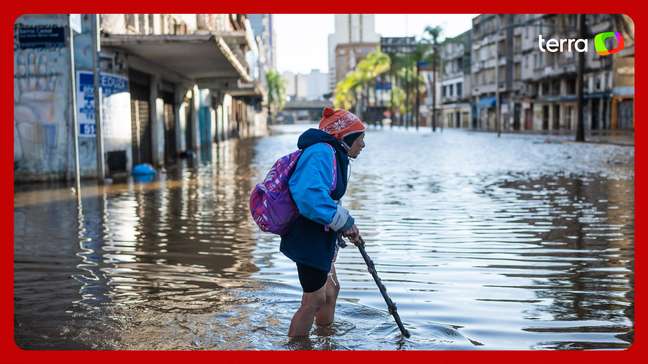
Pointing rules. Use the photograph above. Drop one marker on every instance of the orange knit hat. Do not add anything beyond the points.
(340, 123)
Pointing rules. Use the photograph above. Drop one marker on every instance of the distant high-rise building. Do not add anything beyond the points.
(352, 31)
(317, 85)
(311, 86)
(263, 27)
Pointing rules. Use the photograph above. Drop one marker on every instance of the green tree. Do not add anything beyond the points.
(353, 90)
(399, 95)
(276, 94)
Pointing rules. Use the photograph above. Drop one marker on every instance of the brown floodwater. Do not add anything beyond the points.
(518, 242)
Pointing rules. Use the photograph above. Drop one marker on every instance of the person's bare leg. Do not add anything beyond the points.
(324, 316)
(302, 321)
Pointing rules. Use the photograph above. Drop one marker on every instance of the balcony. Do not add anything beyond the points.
(195, 46)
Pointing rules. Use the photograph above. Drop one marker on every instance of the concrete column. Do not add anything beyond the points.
(212, 122)
(552, 116)
(217, 103)
(219, 123)
(227, 113)
(536, 123)
(194, 125)
(181, 118)
(588, 116)
(157, 122)
(511, 113)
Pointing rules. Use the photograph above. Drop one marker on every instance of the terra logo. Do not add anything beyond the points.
(582, 45)
(600, 46)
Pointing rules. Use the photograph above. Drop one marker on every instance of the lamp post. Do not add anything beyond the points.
(580, 67)
(75, 121)
(96, 69)
(498, 122)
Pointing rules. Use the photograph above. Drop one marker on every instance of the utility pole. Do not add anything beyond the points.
(75, 121)
(417, 96)
(408, 84)
(96, 69)
(580, 69)
(497, 93)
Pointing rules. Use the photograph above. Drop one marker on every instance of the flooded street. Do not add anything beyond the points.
(518, 242)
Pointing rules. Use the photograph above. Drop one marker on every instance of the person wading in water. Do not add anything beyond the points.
(317, 184)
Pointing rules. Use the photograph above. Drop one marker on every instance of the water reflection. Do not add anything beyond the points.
(483, 243)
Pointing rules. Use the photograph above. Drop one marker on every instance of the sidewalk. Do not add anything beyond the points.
(618, 137)
(615, 137)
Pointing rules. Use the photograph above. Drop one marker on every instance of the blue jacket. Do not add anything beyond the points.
(312, 237)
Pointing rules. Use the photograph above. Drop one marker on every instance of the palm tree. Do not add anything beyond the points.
(345, 96)
(433, 34)
(276, 94)
(353, 88)
(370, 68)
(422, 56)
(398, 63)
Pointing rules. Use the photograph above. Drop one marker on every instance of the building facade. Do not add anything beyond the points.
(495, 71)
(356, 33)
(455, 81)
(537, 89)
(171, 83)
(310, 86)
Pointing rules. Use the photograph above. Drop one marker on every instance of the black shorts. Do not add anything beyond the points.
(311, 279)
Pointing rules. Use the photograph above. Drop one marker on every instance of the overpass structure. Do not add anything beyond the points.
(296, 111)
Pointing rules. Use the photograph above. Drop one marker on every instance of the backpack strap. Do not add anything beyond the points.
(334, 184)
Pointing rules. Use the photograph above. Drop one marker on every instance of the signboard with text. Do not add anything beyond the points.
(38, 36)
(111, 84)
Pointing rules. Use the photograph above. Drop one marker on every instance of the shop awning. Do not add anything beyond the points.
(487, 101)
(194, 56)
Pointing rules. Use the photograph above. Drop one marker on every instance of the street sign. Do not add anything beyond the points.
(383, 85)
(39, 36)
(398, 44)
(75, 23)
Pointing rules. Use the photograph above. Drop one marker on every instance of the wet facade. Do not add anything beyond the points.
(171, 83)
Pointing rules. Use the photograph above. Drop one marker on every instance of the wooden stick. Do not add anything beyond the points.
(391, 306)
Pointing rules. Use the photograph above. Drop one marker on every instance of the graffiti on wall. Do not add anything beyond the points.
(40, 108)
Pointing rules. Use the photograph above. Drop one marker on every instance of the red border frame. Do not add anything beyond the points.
(13, 10)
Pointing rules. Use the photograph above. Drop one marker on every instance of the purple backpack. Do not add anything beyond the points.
(271, 204)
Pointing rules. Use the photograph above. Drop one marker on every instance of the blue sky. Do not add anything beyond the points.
(302, 38)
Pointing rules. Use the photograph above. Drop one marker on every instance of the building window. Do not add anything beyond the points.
(571, 86)
(598, 84)
(163, 24)
(141, 23)
(151, 24)
(130, 23)
(459, 89)
(451, 92)
(443, 91)
(568, 117)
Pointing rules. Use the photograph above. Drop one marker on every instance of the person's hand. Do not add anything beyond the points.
(352, 234)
